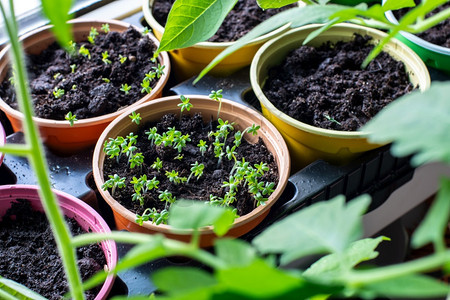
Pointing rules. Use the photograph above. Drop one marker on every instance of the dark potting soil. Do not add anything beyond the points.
(28, 253)
(86, 92)
(214, 174)
(439, 34)
(244, 16)
(319, 85)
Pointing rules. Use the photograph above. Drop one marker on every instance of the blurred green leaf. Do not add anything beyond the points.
(416, 123)
(325, 227)
(180, 280)
(410, 287)
(265, 4)
(9, 288)
(432, 229)
(190, 22)
(234, 252)
(396, 4)
(194, 215)
(333, 265)
(57, 11)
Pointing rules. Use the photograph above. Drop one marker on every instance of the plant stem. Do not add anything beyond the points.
(421, 265)
(431, 21)
(16, 149)
(38, 161)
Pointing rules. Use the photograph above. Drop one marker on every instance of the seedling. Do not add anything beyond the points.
(72, 48)
(196, 170)
(231, 153)
(58, 93)
(145, 30)
(84, 51)
(217, 96)
(73, 67)
(106, 80)
(12, 81)
(114, 181)
(71, 118)
(122, 59)
(150, 76)
(56, 76)
(167, 197)
(184, 105)
(152, 214)
(136, 160)
(135, 118)
(92, 35)
(105, 58)
(146, 88)
(174, 178)
(180, 142)
(179, 157)
(125, 88)
(157, 164)
(74, 87)
(331, 119)
(202, 146)
(253, 129)
(152, 134)
(159, 70)
(105, 28)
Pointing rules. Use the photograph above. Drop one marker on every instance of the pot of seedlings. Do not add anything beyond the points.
(30, 251)
(189, 61)
(318, 96)
(190, 147)
(432, 45)
(76, 93)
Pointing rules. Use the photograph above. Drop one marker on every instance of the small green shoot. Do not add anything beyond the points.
(202, 147)
(157, 164)
(136, 160)
(184, 105)
(74, 87)
(153, 215)
(167, 197)
(92, 35)
(114, 181)
(105, 58)
(146, 88)
(105, 28)
(152, 134)
(174, 178)
(217, 96)
(253, 129)
(58, 93)
(73, 67)
(106, 80)
(84, 51)
(159, 70)
(122, 58)
(56, 76)
(331, 119)
(125, 88)
(71, 118)
(196, 170)
(145, 30)
(135, 117)
(72, 48)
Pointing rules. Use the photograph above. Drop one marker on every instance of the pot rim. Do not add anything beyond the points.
(75, 205)
(2, 141)
(304, 126)
(99, 155)
(415, 39)
(208, 45)
(163, 59)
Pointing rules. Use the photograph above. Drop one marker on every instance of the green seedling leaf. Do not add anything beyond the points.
(409, 287)
(181, 280)
(423, 115)
(325, 227)
(333, 265)
(12, 290)
(298, 16)
(190, 22)
(57, 11)
(265, 4)
(200, 215)
(397, 4)
(234, 252)
(432, 229)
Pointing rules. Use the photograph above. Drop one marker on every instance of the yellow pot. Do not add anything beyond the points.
(190, 61)
(308, 143)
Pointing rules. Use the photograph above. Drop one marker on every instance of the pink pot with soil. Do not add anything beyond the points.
(58, 135)
(74, 208)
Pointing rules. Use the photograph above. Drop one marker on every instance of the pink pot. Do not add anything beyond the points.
(2, 141)
(73, 207)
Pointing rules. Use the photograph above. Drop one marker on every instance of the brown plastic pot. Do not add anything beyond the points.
(58, 135)
(232, 111)
(72, 207)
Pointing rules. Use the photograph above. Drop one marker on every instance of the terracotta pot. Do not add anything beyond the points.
(232, 111)
(2, 141)
(308, 143)
(72, 207)
(58, 135)
(192, 60)
(433, 55)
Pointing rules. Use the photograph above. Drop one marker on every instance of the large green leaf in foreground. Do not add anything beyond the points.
(190, 22)
(417, 123)
(57, 11)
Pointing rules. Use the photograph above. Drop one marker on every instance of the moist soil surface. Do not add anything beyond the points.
(86, 90)
(244, 16)
(439, 34)
(28, 253)
(214, 173)
(326, 87)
